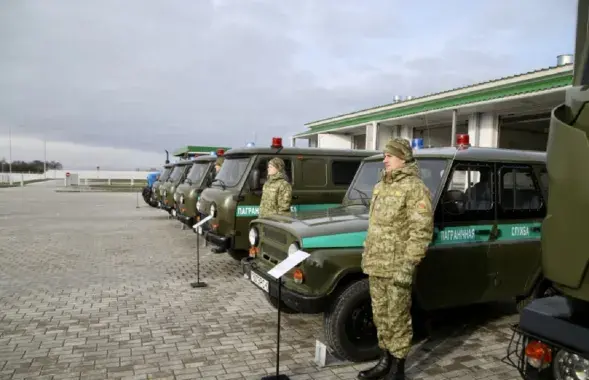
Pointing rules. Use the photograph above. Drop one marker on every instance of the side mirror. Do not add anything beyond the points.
(255, 179)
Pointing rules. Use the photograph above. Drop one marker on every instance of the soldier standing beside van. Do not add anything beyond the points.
(277, 192)
(399, 231)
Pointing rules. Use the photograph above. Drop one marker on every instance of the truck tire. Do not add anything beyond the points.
(146, 193)
(348, 326)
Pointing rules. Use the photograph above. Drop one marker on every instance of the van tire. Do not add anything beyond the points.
(542, 289)
(348, 318)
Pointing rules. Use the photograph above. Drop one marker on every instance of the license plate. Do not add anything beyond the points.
(260, 282)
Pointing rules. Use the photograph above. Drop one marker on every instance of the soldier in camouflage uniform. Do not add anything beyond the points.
(399, 232)
(277, 192)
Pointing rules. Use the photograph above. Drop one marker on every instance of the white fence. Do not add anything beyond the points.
(104, 176)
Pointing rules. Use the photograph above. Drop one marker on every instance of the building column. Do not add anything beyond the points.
(406, 132)
(371, 135)
(292, 141)
(483, 129)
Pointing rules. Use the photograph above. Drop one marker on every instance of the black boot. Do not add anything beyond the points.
(397, 370)
(217, 250)
(380, 369)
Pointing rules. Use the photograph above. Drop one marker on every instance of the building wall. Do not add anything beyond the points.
(334, 141)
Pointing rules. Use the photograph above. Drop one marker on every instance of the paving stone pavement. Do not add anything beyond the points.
(92, 287)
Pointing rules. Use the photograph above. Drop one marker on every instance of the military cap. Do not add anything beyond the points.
(399, 147)
(277, 163)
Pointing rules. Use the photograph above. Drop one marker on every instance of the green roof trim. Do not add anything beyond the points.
(501, 91)
(193, 149)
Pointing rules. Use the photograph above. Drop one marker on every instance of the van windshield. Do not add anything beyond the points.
(231, 171)
(165, 174)
(369, 173)
(176, 173)
(197, 172)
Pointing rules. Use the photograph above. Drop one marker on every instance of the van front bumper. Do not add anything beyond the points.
(299, 302)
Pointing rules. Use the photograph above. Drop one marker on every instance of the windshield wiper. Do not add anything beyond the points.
(223, 185)
(188, 181)
(363, 196)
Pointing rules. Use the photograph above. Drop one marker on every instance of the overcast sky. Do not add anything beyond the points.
(114, 83)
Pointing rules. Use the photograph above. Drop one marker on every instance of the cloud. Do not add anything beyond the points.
(144, 76)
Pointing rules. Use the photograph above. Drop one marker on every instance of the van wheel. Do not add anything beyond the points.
(349, 329)
(283, 308)
(543, 289)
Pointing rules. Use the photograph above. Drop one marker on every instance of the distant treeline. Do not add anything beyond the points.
(35, 166)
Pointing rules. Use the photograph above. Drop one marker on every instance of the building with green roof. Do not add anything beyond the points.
(510, 112)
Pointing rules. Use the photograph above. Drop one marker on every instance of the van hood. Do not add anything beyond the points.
(338, 221)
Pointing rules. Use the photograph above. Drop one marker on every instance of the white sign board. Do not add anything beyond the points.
(287, 264)
(203, 221)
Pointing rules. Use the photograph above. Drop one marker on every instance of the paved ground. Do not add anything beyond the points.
(92, 287)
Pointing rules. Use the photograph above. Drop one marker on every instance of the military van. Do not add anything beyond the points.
(199, 177)
(168, 188)
(146, 192)
(163, 177)
(553, 332)
(319, 179)
(489, 204)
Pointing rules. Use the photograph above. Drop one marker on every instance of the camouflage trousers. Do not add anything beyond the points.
(391, 312)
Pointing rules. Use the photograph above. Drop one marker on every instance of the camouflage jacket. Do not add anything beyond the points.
(276, 196)
(400, 227)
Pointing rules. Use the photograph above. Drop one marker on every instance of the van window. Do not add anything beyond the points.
(519, 194)
(469, 193)
(262, 166)
(343, 172)
(314, 172)
(544, 180)
(231, 171)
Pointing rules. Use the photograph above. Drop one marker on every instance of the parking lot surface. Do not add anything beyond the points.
(92, 287)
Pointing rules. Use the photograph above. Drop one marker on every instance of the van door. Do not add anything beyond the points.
(515, 255)
(455, 269)
(312, 183)
(248, 206)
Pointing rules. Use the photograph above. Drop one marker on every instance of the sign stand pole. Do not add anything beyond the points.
(277, 272)
(198, 283)
(137, 199)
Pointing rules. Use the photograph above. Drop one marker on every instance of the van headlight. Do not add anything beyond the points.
(293, 248)
(182, 198)
(570, 366)
(198, 205)
(213, 211)
(254, 236)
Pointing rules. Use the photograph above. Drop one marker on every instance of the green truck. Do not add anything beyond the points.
(199, 177)
(168, 188)
(551, 340)
(489, 204)
(319, 178)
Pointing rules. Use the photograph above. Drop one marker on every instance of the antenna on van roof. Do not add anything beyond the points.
(167, 156)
